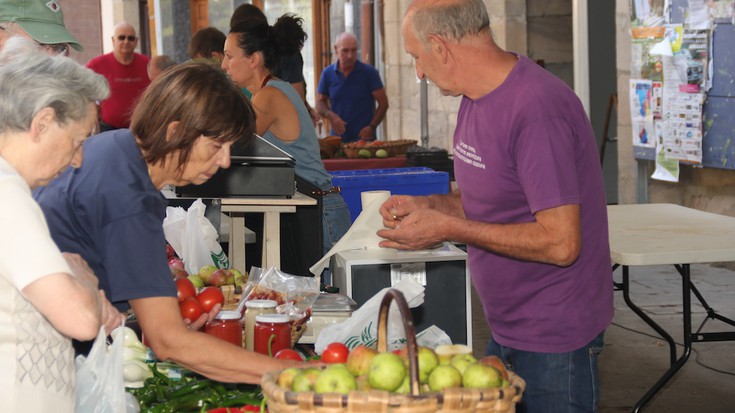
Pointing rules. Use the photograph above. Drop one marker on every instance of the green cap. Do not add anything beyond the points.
(43, 20)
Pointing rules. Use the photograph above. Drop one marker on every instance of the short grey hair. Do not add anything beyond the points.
(31, 81)
(450, 19)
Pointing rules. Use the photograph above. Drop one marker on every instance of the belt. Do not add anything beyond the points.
(332, 190)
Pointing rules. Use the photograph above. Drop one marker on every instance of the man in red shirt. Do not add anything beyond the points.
(127, 73)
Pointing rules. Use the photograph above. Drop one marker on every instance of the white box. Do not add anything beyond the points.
(360, 274)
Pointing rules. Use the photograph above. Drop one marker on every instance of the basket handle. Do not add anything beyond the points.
(413, 366)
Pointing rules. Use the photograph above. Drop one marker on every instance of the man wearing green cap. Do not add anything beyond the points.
(39, 20)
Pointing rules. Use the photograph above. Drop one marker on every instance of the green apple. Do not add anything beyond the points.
(285, 378)
(381, 153)
(205, 273)
(447, 351)
(481, 376)
(196, 280)
(461, 361)
(335, 379)
(364, 153)
(405, 387)
(305, 379)
(428, 360)
(387, 372)
(443, 377)
(359, 359)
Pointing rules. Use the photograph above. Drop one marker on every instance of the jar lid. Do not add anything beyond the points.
(271, 318)
(261, 304)
(228, 315)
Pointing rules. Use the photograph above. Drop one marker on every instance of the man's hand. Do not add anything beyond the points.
(398, 206)
(420, 229)
(338, 125)
(366, 133)
(203, 319)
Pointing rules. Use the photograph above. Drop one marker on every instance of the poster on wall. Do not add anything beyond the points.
(641, 113)
(695, 52)
(647, 13)
(682, 127)
(644, 64)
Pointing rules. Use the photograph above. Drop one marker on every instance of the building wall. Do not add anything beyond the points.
(82, 18)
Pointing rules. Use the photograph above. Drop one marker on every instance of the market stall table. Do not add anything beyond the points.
(271, 208)
(667, 234)
(345, 164)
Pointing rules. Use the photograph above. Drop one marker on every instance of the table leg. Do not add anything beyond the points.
(237, 242)
(687, 308)
(625, 286)
(272, 240)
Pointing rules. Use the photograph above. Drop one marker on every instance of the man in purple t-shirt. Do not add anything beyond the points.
(530, 205)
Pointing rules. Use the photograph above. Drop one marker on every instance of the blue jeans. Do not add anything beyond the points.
(336, 220)
(555, 382)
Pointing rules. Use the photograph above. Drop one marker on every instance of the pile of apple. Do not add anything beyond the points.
(365, 369)
(208, 275)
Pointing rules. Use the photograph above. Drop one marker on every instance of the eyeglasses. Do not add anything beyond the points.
(130, 38)
(56, 49)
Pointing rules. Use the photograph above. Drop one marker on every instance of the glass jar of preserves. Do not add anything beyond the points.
(255, 308)
(272, 333)
(226, 326)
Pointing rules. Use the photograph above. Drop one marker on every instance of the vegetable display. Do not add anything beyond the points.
(194, 393)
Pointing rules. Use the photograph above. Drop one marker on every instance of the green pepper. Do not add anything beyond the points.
(241, 399)
(187, 388)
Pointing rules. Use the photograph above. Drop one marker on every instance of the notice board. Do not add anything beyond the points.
(718, 112)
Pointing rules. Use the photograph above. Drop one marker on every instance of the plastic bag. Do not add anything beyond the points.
(294, 294)
(100, 383)
(193, 237)
(362, 326)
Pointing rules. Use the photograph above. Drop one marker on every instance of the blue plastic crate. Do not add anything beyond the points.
(399, 181)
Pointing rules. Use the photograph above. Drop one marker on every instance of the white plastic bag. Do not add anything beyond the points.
(362, 326)
(100, 383)
(193, 237)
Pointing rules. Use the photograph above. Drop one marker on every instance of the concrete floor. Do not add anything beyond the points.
(634, 357)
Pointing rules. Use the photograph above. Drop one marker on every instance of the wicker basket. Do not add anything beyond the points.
(455, 400)
(394, 148)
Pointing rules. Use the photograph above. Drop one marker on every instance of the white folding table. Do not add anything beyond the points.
(271, 208)
(667, 234)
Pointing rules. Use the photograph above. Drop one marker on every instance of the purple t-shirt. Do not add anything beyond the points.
(525, 147)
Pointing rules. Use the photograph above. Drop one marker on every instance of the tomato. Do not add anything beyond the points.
(288, 354)
(190, 309)
(185, 289)
(209, 297)
(335, 353)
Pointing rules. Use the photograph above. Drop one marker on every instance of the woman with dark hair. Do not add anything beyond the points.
(252, 50)
(111, 211)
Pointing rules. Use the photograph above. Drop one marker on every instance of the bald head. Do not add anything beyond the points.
(345, 47)
(124, 41)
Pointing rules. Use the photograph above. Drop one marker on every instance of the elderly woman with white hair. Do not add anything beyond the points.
(47, 109)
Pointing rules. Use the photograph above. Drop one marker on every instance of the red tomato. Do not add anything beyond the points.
(288, 354)
(190, 309)
(185, 288)
(335, 353)
(209, 297)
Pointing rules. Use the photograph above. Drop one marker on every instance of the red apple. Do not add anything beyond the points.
(359, 359)
(219, 278)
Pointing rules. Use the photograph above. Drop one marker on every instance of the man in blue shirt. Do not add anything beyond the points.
(347, 93)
